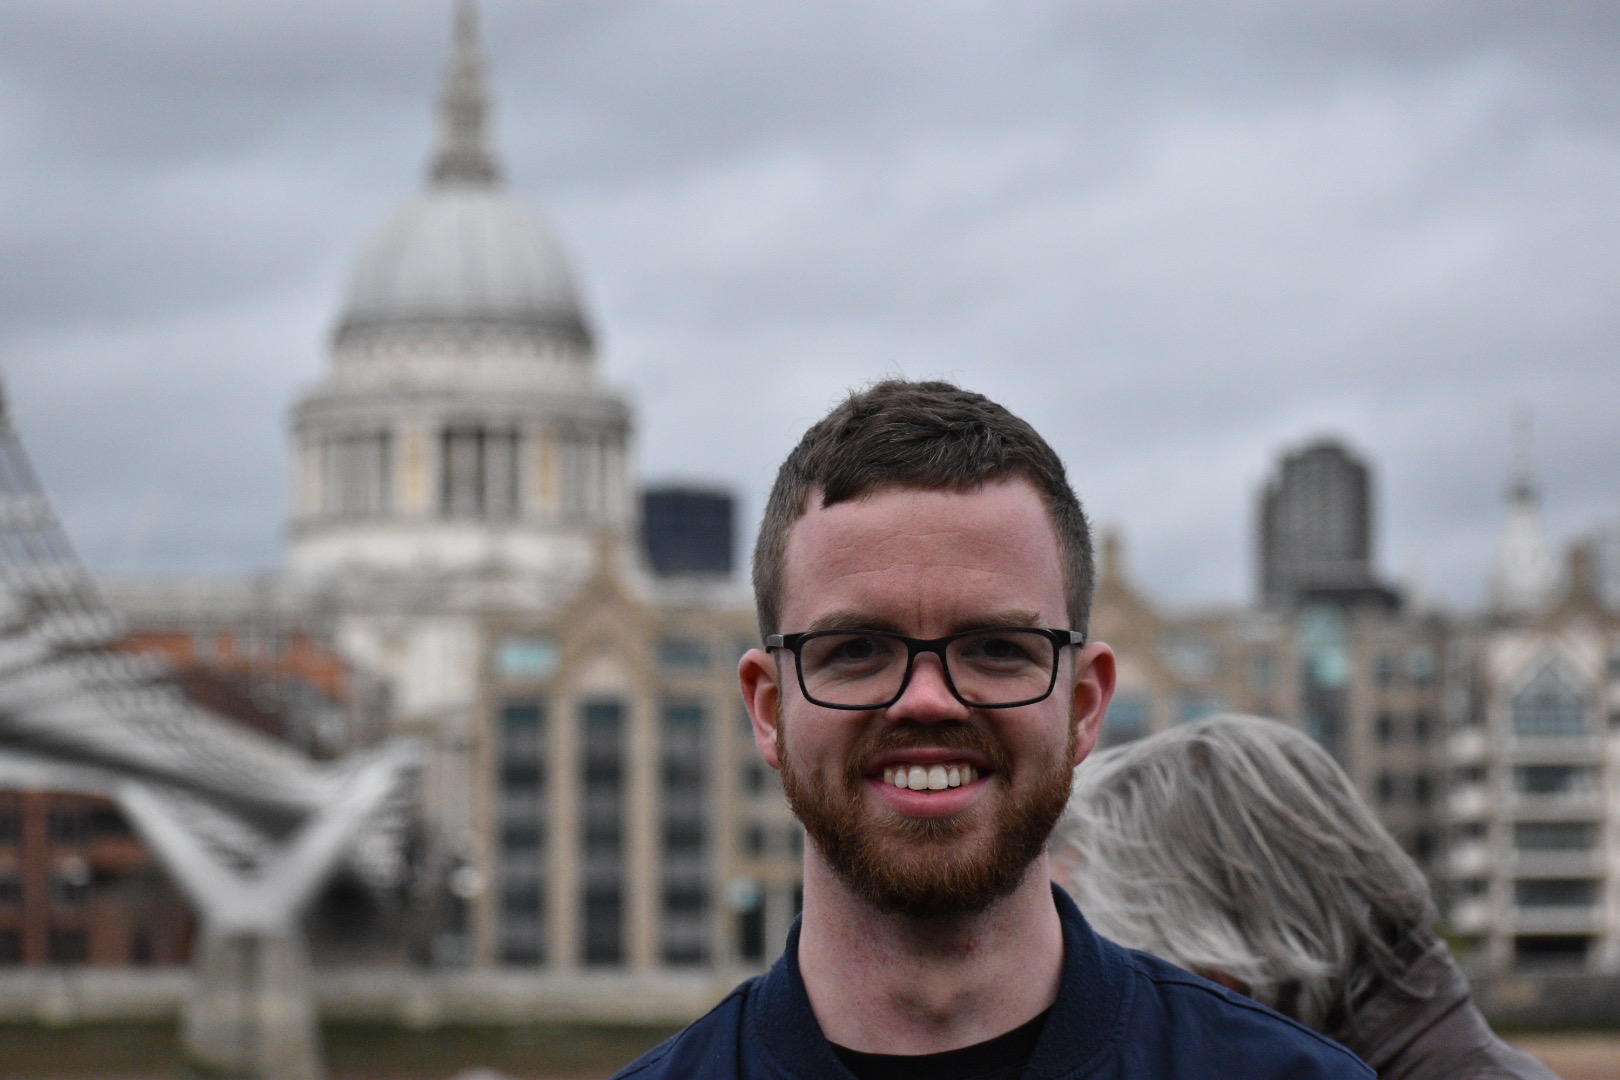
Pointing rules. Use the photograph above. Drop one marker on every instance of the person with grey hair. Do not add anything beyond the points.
(1237, 848)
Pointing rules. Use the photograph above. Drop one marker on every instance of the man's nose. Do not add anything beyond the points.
(928, 696)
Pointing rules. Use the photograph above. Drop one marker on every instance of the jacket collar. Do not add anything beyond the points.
(1083, 1020)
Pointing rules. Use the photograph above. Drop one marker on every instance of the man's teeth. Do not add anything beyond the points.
(930, 777)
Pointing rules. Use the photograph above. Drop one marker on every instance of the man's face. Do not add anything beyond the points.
(926, 564)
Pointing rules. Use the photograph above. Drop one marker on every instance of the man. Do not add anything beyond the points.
(923, 577)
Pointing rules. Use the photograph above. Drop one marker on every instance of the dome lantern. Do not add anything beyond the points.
(463, 154)
(464, 254)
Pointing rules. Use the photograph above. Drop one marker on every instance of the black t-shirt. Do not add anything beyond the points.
(1000, 1058)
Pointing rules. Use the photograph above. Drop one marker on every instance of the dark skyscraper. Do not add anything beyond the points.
(688, 531)
(1316, 530)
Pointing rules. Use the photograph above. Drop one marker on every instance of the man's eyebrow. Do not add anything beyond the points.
(991, 620)
(853, 620)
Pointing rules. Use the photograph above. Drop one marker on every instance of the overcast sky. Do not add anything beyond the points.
(1179, 237)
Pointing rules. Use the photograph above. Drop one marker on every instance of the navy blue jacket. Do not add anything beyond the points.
(1118, 1014)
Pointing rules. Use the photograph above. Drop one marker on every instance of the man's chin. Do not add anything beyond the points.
(920, 867)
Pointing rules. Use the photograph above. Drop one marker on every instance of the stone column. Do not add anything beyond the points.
(251, 1014)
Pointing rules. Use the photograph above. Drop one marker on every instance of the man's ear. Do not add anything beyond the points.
(1093, 689)
(760, 680)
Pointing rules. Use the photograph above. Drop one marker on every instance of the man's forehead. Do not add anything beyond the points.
(995, 536)
(1016, 487)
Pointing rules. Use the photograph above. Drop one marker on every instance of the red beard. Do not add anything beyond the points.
(926, 867)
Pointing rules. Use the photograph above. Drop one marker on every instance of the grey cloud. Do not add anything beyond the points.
(1180, 237)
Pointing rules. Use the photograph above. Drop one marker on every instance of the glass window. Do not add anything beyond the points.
(522, 900)
(1195, 705)
(518, 837)
(523, 753)
(68, 947)
(70, 884)
(1420, 665)
(683, 718)
(69, 825)
(1554, 835)
(1554, 779)
(1384, 671)
(1262, 673)
(1385, 728)
(1422, 727)
(601, 836)
(604, 931)
(683, 837)
(679, 654)
(1327, 663)
(1550, 704)
(756, 776)
(1541, 950)
(1127, 718)
(686, 901)
(526, 656)
(1190, 659)
(1555, 892)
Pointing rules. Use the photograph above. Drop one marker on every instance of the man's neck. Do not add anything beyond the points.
(893, 984)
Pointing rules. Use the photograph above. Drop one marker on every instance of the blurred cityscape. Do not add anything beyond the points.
(531, 663)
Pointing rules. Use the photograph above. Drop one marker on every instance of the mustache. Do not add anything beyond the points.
(954, 736)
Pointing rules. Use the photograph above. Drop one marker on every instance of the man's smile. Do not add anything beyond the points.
(930, 777)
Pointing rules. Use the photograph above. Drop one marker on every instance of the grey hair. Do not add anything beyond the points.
(1236, 845)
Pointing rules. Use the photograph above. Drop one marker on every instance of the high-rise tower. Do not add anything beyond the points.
(1316, 529)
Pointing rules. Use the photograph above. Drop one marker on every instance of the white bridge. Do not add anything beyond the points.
(246, 826)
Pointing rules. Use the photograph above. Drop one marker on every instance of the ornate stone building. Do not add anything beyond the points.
(464, 507)
(1533, 711)
(466, 536)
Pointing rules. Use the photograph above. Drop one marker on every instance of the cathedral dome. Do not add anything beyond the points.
(463, 253)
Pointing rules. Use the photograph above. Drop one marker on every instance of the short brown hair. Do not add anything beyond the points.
(929, 435)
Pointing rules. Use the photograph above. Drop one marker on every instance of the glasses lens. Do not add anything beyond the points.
(999, 667)
(861, 669)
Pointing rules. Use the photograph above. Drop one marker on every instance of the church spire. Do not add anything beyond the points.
(1526, 574)
(463, 154)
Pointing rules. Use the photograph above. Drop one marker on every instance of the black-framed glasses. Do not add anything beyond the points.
(995, 668)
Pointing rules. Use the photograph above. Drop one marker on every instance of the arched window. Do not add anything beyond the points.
(1551, 703)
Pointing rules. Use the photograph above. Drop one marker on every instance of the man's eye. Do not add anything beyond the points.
(858, 648)
(849, 650)
(998, 648)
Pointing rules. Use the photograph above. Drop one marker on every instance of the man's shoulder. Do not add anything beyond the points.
(1232, 1035)
(708, 1046)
